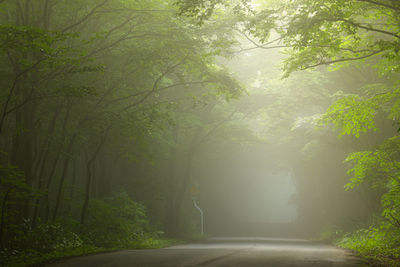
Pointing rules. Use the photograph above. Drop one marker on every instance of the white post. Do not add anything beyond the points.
(201, 215)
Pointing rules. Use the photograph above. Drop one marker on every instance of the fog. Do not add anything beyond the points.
(141, 124)
(249, 188)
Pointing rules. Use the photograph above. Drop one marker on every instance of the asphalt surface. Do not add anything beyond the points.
(226, 252)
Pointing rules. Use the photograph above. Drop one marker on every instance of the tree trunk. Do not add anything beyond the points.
(3, 216)
(89, 169)
(71, 194)
(46, 151)
(170, 182)
(176, 214)
(62, 179)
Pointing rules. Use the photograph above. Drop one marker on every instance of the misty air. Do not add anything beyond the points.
(199, 133)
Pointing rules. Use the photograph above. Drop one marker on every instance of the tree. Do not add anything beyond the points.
(343, 34)
(319, 32)
(91, 85)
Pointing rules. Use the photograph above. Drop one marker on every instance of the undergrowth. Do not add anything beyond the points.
(112, 224)
(379, 243)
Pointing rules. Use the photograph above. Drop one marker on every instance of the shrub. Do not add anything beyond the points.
(28, 242)
(378, 242)
(116, 222)
(44, 238)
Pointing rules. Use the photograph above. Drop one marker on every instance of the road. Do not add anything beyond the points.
(225, 252)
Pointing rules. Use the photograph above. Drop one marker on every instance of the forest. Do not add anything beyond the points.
(119, 117)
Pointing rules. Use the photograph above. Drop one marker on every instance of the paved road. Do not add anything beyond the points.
(245, 252)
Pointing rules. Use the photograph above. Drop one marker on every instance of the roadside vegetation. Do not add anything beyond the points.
(113, 223)
(378, 244)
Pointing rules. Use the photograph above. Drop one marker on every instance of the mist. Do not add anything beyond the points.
(145, 124)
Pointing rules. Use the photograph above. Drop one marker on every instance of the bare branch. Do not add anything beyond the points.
(85, 17)
(322, 46)
(213, 129)
(155, 84)
(158, 90)
(12, 89)
(124, 38)
(255, 43)
(261, 47)
(138, 10)
(118, 27)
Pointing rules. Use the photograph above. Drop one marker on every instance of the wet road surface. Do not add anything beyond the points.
(226, 252)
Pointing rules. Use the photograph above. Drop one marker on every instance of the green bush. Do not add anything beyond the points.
(28, 242)
(380, 243)
(116, 222)
(44, 238)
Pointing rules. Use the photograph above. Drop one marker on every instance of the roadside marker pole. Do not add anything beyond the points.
(201, 215)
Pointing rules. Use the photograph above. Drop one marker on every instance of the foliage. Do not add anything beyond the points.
(378, 243)
(116, 222)
(12, 178)
(319, 32)
(44, 239)
(204, 9)
(352, 115)
(380, 169)
(30, 258)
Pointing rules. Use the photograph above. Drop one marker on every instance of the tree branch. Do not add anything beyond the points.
(119, 26)
(369, 28)
(341, 60)
(213, 129)
(380, 4)
(85, 17)
(261, 47)
(158, 90)
(321, 46)
(155, 85)
(255, 43)
(137, 10)
(124, 38)
(12, 89)
(396, 221)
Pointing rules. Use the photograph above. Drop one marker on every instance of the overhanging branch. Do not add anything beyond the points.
(380, 4)
(85, 17)
(358, 25)
(341, 60)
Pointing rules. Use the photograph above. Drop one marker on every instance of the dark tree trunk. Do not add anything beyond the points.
(73, 180)
(3, 216)
(89, 169)
(62, 179)
(46, 152)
